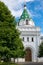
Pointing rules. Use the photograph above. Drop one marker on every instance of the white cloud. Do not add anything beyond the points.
(25, 0)
(17, 13)
(14, 3)
(29, 0)
(15, 6)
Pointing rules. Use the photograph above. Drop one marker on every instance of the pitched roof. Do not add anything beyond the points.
(25, 15)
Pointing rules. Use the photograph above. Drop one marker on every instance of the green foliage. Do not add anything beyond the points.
(5, 14)
(7, 63)
(10, 43)
(41, 50)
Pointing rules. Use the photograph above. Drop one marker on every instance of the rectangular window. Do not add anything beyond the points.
(32, 39)
(27, 38)
(26, 22)
(23, 38)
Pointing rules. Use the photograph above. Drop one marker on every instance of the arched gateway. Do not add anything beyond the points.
(28, 56)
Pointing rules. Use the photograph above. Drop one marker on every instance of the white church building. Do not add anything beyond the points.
(30, 35)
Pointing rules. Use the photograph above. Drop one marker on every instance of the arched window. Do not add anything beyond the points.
(26, 22)
(27, 38)
(32, 39)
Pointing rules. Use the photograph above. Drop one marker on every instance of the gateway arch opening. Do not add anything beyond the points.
(28, 56)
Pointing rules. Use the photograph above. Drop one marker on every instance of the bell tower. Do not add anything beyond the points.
(30, 35)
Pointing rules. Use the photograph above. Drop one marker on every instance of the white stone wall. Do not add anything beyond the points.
(23, 59)
(19, 60)
(28, 31)
(40, 59)
(23, 23)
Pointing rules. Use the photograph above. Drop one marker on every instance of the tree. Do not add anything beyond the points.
(41, 50)
(10, 41)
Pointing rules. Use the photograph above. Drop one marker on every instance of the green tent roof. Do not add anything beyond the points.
(25, 15)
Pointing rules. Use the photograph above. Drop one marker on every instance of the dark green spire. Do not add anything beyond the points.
(25, 14)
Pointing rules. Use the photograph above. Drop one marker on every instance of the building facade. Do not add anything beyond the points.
(30, 35)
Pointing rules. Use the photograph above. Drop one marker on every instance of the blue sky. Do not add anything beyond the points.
(34, 7)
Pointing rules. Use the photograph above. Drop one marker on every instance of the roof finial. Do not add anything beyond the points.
(24, 4)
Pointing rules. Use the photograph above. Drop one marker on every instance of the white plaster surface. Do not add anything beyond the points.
(30, 31)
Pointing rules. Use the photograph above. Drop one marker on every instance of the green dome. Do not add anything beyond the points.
(25, 15)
